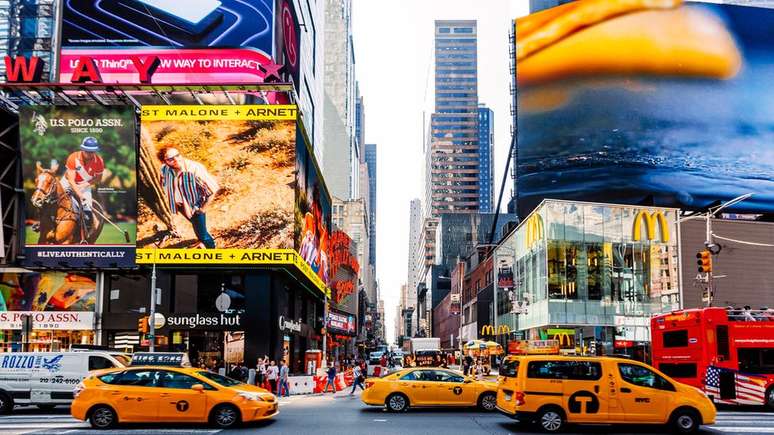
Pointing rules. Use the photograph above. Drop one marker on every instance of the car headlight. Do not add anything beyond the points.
(256, 396)
(249, 396)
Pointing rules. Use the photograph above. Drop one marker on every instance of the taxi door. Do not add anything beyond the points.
(642, 393)
(179, 403)
(135, 396)
(424, 390)
(453, 391)
(584, 392)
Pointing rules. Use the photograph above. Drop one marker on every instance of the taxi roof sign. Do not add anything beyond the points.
(171, 359)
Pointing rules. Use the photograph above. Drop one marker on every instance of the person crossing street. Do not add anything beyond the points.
(358, 379)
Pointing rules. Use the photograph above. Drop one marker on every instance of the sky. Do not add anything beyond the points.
(394, 66)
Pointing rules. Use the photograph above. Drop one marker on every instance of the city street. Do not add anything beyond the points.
(344, 414)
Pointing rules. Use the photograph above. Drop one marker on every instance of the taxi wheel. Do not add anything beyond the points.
(6, 404)
(397, 402)
(685, 421)
(225, 416)
(551, 419)
(488, 402)
(103, 417)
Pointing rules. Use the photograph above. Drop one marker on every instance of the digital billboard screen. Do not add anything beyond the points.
(204, 41)
(619, 102)
(217, 177)
(312, 212)
(78, 164)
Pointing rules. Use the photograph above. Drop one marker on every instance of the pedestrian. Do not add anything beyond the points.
(284, 386)
(383, 360)
(357, 374)
(331, 379)
(479, 371)
(260, 372)
(272, 373)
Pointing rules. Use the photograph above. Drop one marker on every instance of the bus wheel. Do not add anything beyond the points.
(770, 398)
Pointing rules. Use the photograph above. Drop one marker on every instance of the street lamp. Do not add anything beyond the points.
(710, 244)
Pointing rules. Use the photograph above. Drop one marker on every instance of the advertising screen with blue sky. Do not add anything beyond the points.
(668, 106)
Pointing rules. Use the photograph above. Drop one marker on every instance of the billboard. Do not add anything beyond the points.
(312, 212)
(620, 102)
(344, 269)
(216, 177)
(206, 41)
(341, 323)
(55, 300)
(78, 164)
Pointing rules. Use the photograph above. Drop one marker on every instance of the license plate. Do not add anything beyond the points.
(508, 397)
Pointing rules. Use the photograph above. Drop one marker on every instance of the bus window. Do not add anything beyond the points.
(676, 338)
(723, 349)
(678, 370)
(756, 360)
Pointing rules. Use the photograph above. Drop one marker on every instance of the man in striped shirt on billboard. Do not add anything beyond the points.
(189, 189)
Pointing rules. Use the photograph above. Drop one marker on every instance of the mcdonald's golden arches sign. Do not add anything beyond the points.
(652, 220)
(534, 230)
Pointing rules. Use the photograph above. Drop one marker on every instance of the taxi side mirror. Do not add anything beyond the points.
(197, 387)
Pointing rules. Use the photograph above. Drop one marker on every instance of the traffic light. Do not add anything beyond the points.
(142, 324)
(704, 261)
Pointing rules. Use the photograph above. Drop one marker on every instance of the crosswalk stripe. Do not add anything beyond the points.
(738, 429)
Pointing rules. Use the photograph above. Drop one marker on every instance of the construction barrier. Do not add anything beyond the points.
(302, 384)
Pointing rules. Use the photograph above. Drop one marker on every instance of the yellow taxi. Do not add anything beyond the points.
(149, 394)
(428, 386)
(555, 390)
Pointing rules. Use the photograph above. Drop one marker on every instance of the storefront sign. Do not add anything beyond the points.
(289, 325)
(47, 320)
(341, 323)
(652, 220)
(201, 321)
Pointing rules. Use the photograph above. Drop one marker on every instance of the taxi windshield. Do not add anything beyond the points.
(220, 380)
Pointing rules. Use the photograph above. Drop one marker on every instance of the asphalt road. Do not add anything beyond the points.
(344, 414)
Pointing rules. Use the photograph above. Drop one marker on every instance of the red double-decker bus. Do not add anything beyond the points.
(726, 352)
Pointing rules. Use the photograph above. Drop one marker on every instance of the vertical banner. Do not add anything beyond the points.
(313, 212)
(291, 34)
(78, 165)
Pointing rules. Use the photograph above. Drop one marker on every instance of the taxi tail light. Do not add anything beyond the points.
(519, 398)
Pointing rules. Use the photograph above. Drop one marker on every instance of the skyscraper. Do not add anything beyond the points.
(452, 153)
(370, 158)
(486, 158)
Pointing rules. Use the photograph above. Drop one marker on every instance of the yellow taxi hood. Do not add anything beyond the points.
(654, 37)
(249, 388)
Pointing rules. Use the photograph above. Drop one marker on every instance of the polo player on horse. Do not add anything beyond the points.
(83, 170)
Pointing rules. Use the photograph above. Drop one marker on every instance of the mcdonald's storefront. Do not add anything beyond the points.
(592, 274)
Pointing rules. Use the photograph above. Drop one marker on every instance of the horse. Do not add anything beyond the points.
(60, 220)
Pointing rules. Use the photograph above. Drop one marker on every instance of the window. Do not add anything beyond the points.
(463, 30)
(724, 352)
(756, 360)
(410, 376)
(177, 380)
(444, 30)
(219, 379)
(99, 363)
(510, 368)
(110, 378)
(137, 378)
(575, 370)
(676, 338)
(678, 370)
(643, 377)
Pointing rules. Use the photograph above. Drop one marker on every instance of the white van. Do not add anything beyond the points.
(47, 379)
